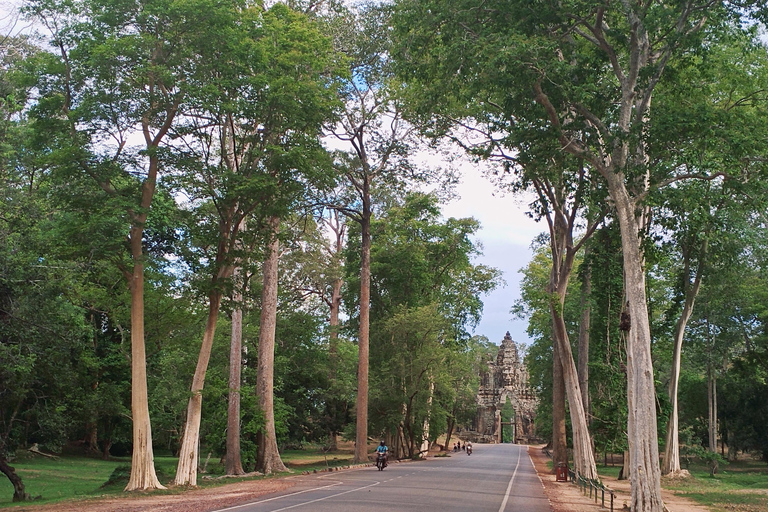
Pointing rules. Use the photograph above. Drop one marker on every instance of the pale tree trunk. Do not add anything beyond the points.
(586, 292)
(268, 456)
(425, 436)
(583, 458)
(143, 476)
(559, 443)
(671, 461)
(712, 423)
(645, 473)
(561, 224)
(339, 229)
(361, 406)
(335, 307)
(333, 348)
(186, 470)
(637, 76)
(234, 465)
(712, 406)
(711, 399)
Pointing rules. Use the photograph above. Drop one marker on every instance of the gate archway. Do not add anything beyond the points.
(506, 379)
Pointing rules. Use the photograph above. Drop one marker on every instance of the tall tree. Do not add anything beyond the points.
(491, 63)
(123, 70)
(426, 284)
(693, 212)
(258, 145)
(379, 143)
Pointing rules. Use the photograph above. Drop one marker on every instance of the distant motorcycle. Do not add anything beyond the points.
(469, 450)
(381, 461)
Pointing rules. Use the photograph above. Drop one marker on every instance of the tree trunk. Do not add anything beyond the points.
(333, 356)
(559, 442)
(268, 456)
(563, 255)
(19, 493)
(671, 460)
(234, 465)
(583, 458)
(713, 434)
(105, 446)
(334, 324)
(586, 292)
(625, 469)
(449, 433)
(186, 470)
(712, 406)
(361, 406)
(645, 473)
(425, 436)
(143, 476)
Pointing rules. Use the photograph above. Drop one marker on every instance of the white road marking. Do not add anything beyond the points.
(279, 497)
(509, 487)
(327, 497)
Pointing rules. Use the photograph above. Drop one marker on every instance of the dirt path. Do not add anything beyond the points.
(566, 497)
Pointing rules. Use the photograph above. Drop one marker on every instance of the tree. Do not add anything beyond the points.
(259, 145)
(491, 63)
(425, 296)
(380, 142)
(122, 73)
(692, 213)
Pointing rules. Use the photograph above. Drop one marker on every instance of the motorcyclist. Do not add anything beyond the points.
(382, 449)
(469, 447)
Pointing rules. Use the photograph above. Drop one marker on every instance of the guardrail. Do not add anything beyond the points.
(594, 487)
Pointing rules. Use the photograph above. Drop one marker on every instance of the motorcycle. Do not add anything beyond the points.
(469, 450)
(381, 461)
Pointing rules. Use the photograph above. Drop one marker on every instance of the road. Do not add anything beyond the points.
(495, 478)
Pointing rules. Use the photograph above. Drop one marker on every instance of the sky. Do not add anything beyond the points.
(506, 234)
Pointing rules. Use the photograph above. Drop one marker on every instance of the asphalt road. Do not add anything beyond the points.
(495, 478)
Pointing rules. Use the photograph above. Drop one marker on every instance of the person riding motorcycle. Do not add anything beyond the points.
(382, 450)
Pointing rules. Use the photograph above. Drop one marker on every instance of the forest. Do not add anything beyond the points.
(221, 228)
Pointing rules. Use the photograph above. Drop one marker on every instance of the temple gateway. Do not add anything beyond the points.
(506, 379)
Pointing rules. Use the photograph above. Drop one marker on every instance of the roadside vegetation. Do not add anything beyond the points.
(75, 477)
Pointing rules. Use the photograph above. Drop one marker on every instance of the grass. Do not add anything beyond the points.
(740, 486)
(55, 480)
(81, 477)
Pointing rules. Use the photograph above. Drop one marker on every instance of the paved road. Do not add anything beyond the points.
(495, 478)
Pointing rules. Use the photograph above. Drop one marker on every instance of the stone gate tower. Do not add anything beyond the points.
(505, 379)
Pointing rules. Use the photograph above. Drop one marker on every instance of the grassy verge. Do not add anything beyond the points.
(741, 486)
(81, 477)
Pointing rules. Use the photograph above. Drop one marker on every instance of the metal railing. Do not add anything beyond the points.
(593, 487)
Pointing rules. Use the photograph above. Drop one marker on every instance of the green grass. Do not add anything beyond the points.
(741, 486)
(55, 480)
(81, 477)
